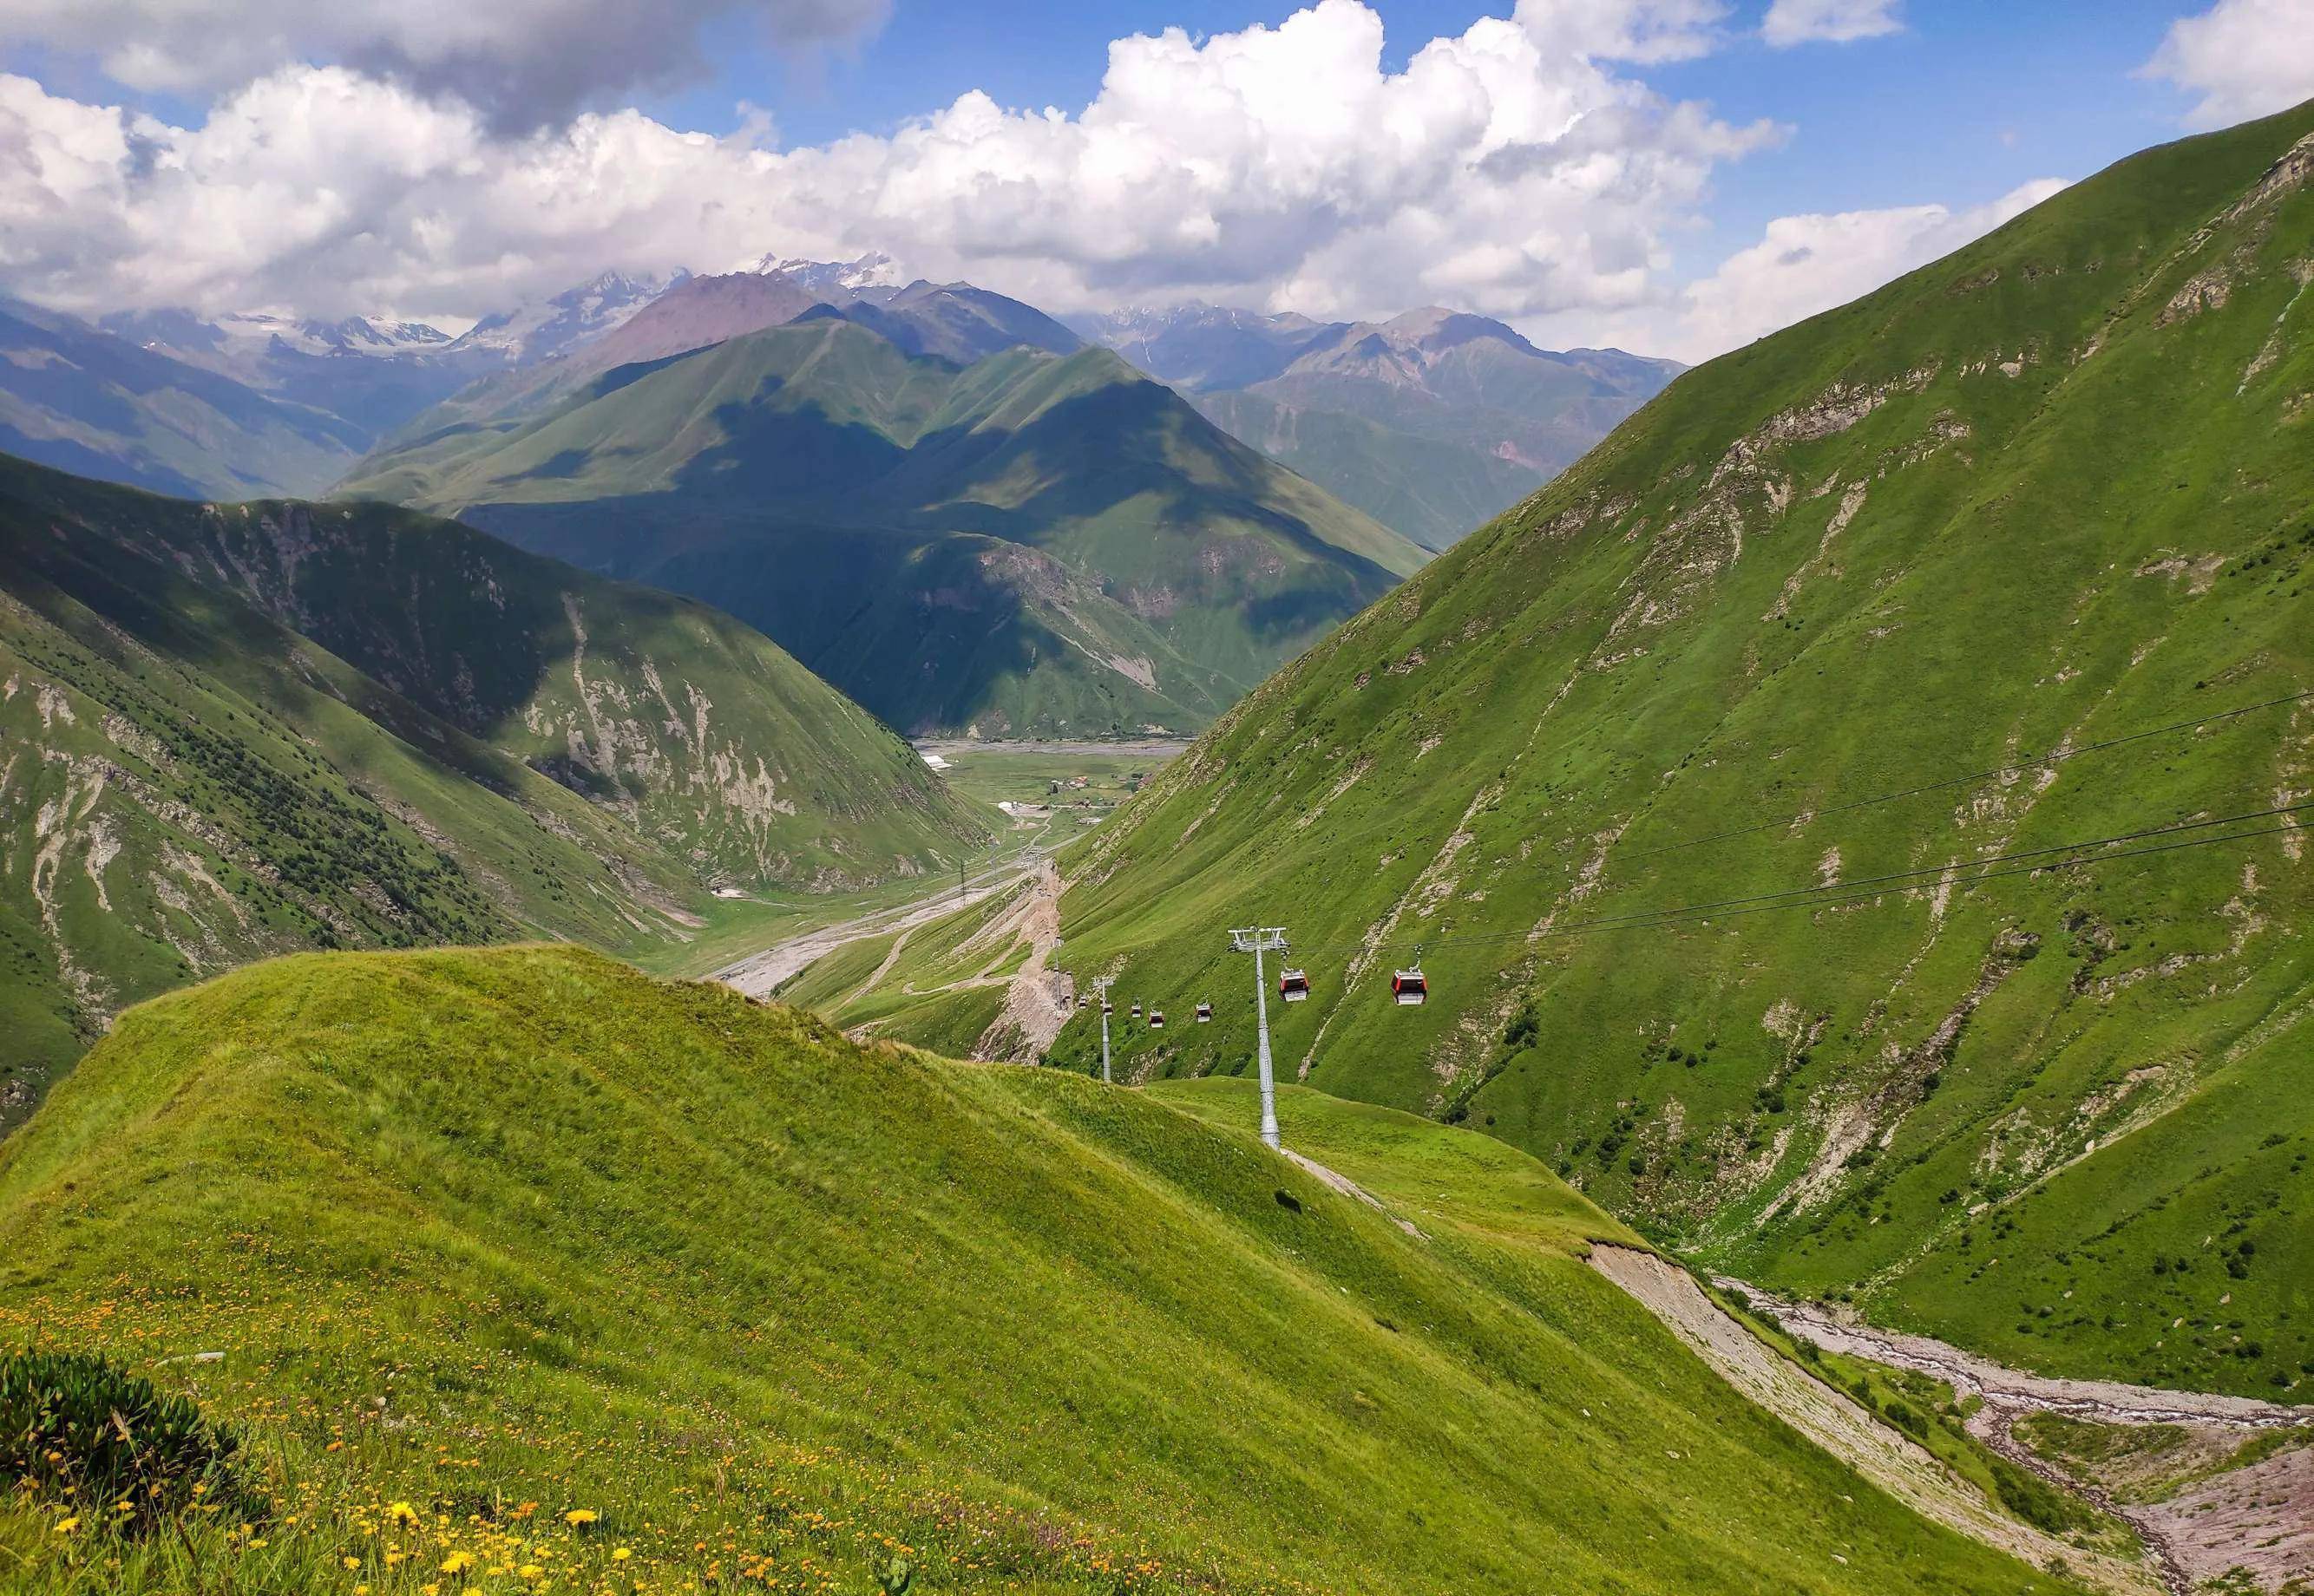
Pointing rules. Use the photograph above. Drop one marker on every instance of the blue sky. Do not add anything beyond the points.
(1677, 176)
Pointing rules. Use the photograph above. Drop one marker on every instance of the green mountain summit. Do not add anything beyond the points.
(1033, 543)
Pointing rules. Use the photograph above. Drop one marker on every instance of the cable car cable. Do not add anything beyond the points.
(2040, 762)
(1821, 894)
(1993, 859)
(1672, 918)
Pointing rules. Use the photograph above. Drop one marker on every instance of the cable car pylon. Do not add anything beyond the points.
(1101, 986)
(1259, 940)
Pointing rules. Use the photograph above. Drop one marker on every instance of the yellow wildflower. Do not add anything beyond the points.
(353, 1562)
(529, 1571)
(66, 1525)
(457, 1562)
(580, 1517)
(403, 1512)
(620, 1554)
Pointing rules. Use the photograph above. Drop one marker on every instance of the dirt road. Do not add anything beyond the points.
(759, 974)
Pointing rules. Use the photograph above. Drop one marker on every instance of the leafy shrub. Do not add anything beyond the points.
(2033, 1499)
(1524, 1026)
(74, 1427)
(1905, 1417)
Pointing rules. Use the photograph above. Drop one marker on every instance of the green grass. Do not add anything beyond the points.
(995, 773)
(1667, 680)
(1031, 544)
(505, 1235)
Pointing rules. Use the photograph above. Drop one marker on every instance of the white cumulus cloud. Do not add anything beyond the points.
(1519, 168)
(1834, 21)
(2243, 57)
(524, 62)
(1807, 264)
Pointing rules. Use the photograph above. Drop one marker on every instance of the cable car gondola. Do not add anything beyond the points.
(1156, 1019)
(1205, 1014)
(1409, 986)
(1294, 986)
(1135, 1011)
(1107, 1007)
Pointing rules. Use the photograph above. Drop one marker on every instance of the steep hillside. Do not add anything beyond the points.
(1033, 543)
(78, 397)
(1745, 796)
(1432, 422)
(231, 731)
(608, 1282)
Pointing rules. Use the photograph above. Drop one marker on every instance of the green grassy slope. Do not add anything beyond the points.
(1031, 543)
(1431, 490)
(2051, 491)
(508, 1235)
(233, 731)
(697, 730)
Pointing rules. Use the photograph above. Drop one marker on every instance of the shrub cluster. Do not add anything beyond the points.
(74, 1428)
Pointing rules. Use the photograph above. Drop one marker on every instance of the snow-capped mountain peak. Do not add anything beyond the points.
(542, 329)
(874, 276)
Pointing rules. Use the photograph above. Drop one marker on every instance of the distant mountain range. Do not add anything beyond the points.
(74, 396)
(1034, 541)
(1433, 423)
(961, 509)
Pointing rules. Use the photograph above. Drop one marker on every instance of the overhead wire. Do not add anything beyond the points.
(1966, 873)
(2015, 768)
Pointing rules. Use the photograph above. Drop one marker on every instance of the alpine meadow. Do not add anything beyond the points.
(848, 798)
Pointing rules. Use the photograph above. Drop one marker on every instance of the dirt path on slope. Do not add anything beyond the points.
(2259, 1518)
(1841, 1426)
(1039, 1000)
(760, 973)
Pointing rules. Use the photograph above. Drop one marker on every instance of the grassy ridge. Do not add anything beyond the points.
(512, 1234)
(1030, 543)
(2051, 491)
